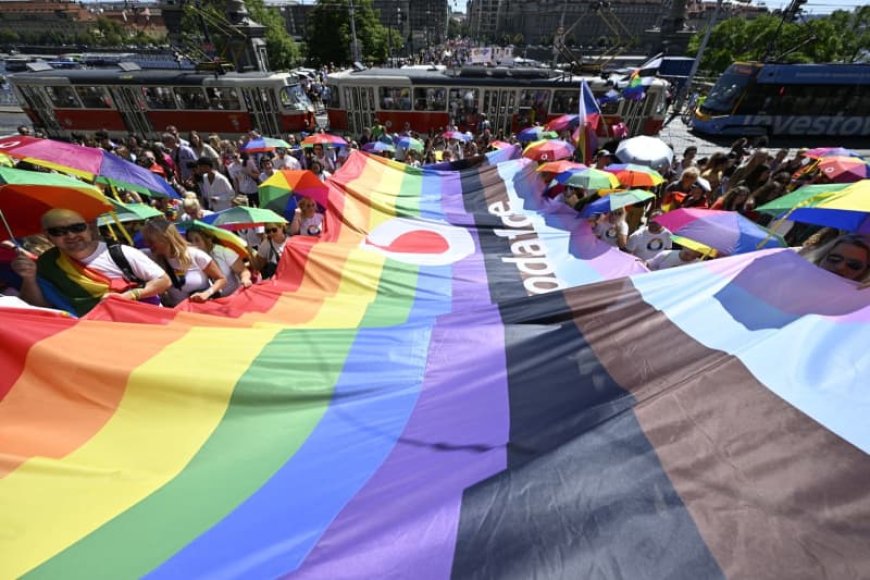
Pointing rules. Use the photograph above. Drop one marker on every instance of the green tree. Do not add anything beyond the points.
(282, 49)
(210, 17)
(329, 33)
(840, 37)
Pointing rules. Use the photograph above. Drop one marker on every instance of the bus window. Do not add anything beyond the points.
(94, 97)
(63, 97)
(159, 98)
(565, 102)
(223, 99)
(430, 99)
(191, 98)
(293, 98)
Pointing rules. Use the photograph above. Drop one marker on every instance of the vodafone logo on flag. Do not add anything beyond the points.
(420, 242)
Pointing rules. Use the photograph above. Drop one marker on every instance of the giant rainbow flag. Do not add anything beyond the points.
(457, 380)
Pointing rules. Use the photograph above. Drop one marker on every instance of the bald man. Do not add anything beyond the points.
(81, 270)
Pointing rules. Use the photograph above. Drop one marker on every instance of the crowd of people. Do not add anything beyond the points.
(71, 267)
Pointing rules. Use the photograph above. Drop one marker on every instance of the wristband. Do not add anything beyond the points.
(137, 294)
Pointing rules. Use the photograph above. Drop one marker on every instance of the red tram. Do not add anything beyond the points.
(144, 102)
(511, 99)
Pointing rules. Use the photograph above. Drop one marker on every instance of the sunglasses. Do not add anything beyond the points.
(854, 265)
(60, 231)
(272, 230)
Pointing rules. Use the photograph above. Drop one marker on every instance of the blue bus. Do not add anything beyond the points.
(752, 99)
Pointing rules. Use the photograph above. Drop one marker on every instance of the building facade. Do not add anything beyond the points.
(62, 16)
(420, 22)
(588, 24)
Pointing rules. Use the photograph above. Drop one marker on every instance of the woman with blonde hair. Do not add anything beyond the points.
(847, 256)
(194, 273)
(231, 265)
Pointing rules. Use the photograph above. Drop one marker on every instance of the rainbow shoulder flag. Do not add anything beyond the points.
(456, 380)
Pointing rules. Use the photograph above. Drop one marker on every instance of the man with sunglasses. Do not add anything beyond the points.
(81, 270)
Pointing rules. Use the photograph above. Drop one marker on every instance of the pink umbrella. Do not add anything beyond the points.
(549, 150)
(844, 169)
(563, 122)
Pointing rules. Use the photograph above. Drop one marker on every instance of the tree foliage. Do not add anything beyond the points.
(329, 33)
(840, 37)
(209, 16)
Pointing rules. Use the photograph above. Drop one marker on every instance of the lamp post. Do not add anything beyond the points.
(354, 48)
(401, 36)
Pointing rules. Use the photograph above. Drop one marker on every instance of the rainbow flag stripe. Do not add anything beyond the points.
(456, 380)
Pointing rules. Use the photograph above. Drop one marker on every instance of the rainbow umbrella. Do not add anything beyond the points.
(499, 144)
(844, 169)
(223, 237)
(89, 163)
(820, 152)
(458, 135)
(632, 175)
(559, 166)
(378, 147)
(128, 212)
(563, 122)
(593, 179)
(535, 133)
(616, 200)
(847, 208)
(264, 145)
(727, 232)
(279, 192)
(26, 195)
(243, 218)
(324, 139)
(801, 197)
(407, 143)
(549, 150)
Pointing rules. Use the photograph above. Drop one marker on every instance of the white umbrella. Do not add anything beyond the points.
(644, 150)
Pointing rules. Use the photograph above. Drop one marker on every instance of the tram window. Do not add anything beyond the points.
(463, 101)
(191, 98)
(159, 98)
(63, 97)
(223, 99)
(430, 99)
(609, 108)
(395, 98)
(293, 97)
(538, 100)
(94, 97)
(329, 96)
(565, 102)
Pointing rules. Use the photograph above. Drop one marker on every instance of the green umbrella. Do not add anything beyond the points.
(804, 196)
(594, 179)
(128, 212)
(616, 200)
(242, 218)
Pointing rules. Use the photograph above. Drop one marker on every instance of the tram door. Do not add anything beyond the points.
(131, 104)
(40, 104)
(360, 105)
(263, 107)
(499, 105)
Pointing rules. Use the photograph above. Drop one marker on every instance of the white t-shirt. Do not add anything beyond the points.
(311, 226)
(609, 232)
(646, 245)
(265, 250)
(218, 191)
(142, 266)
(667, 259)
(195, 279)
(225, 258)
(287, 162)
